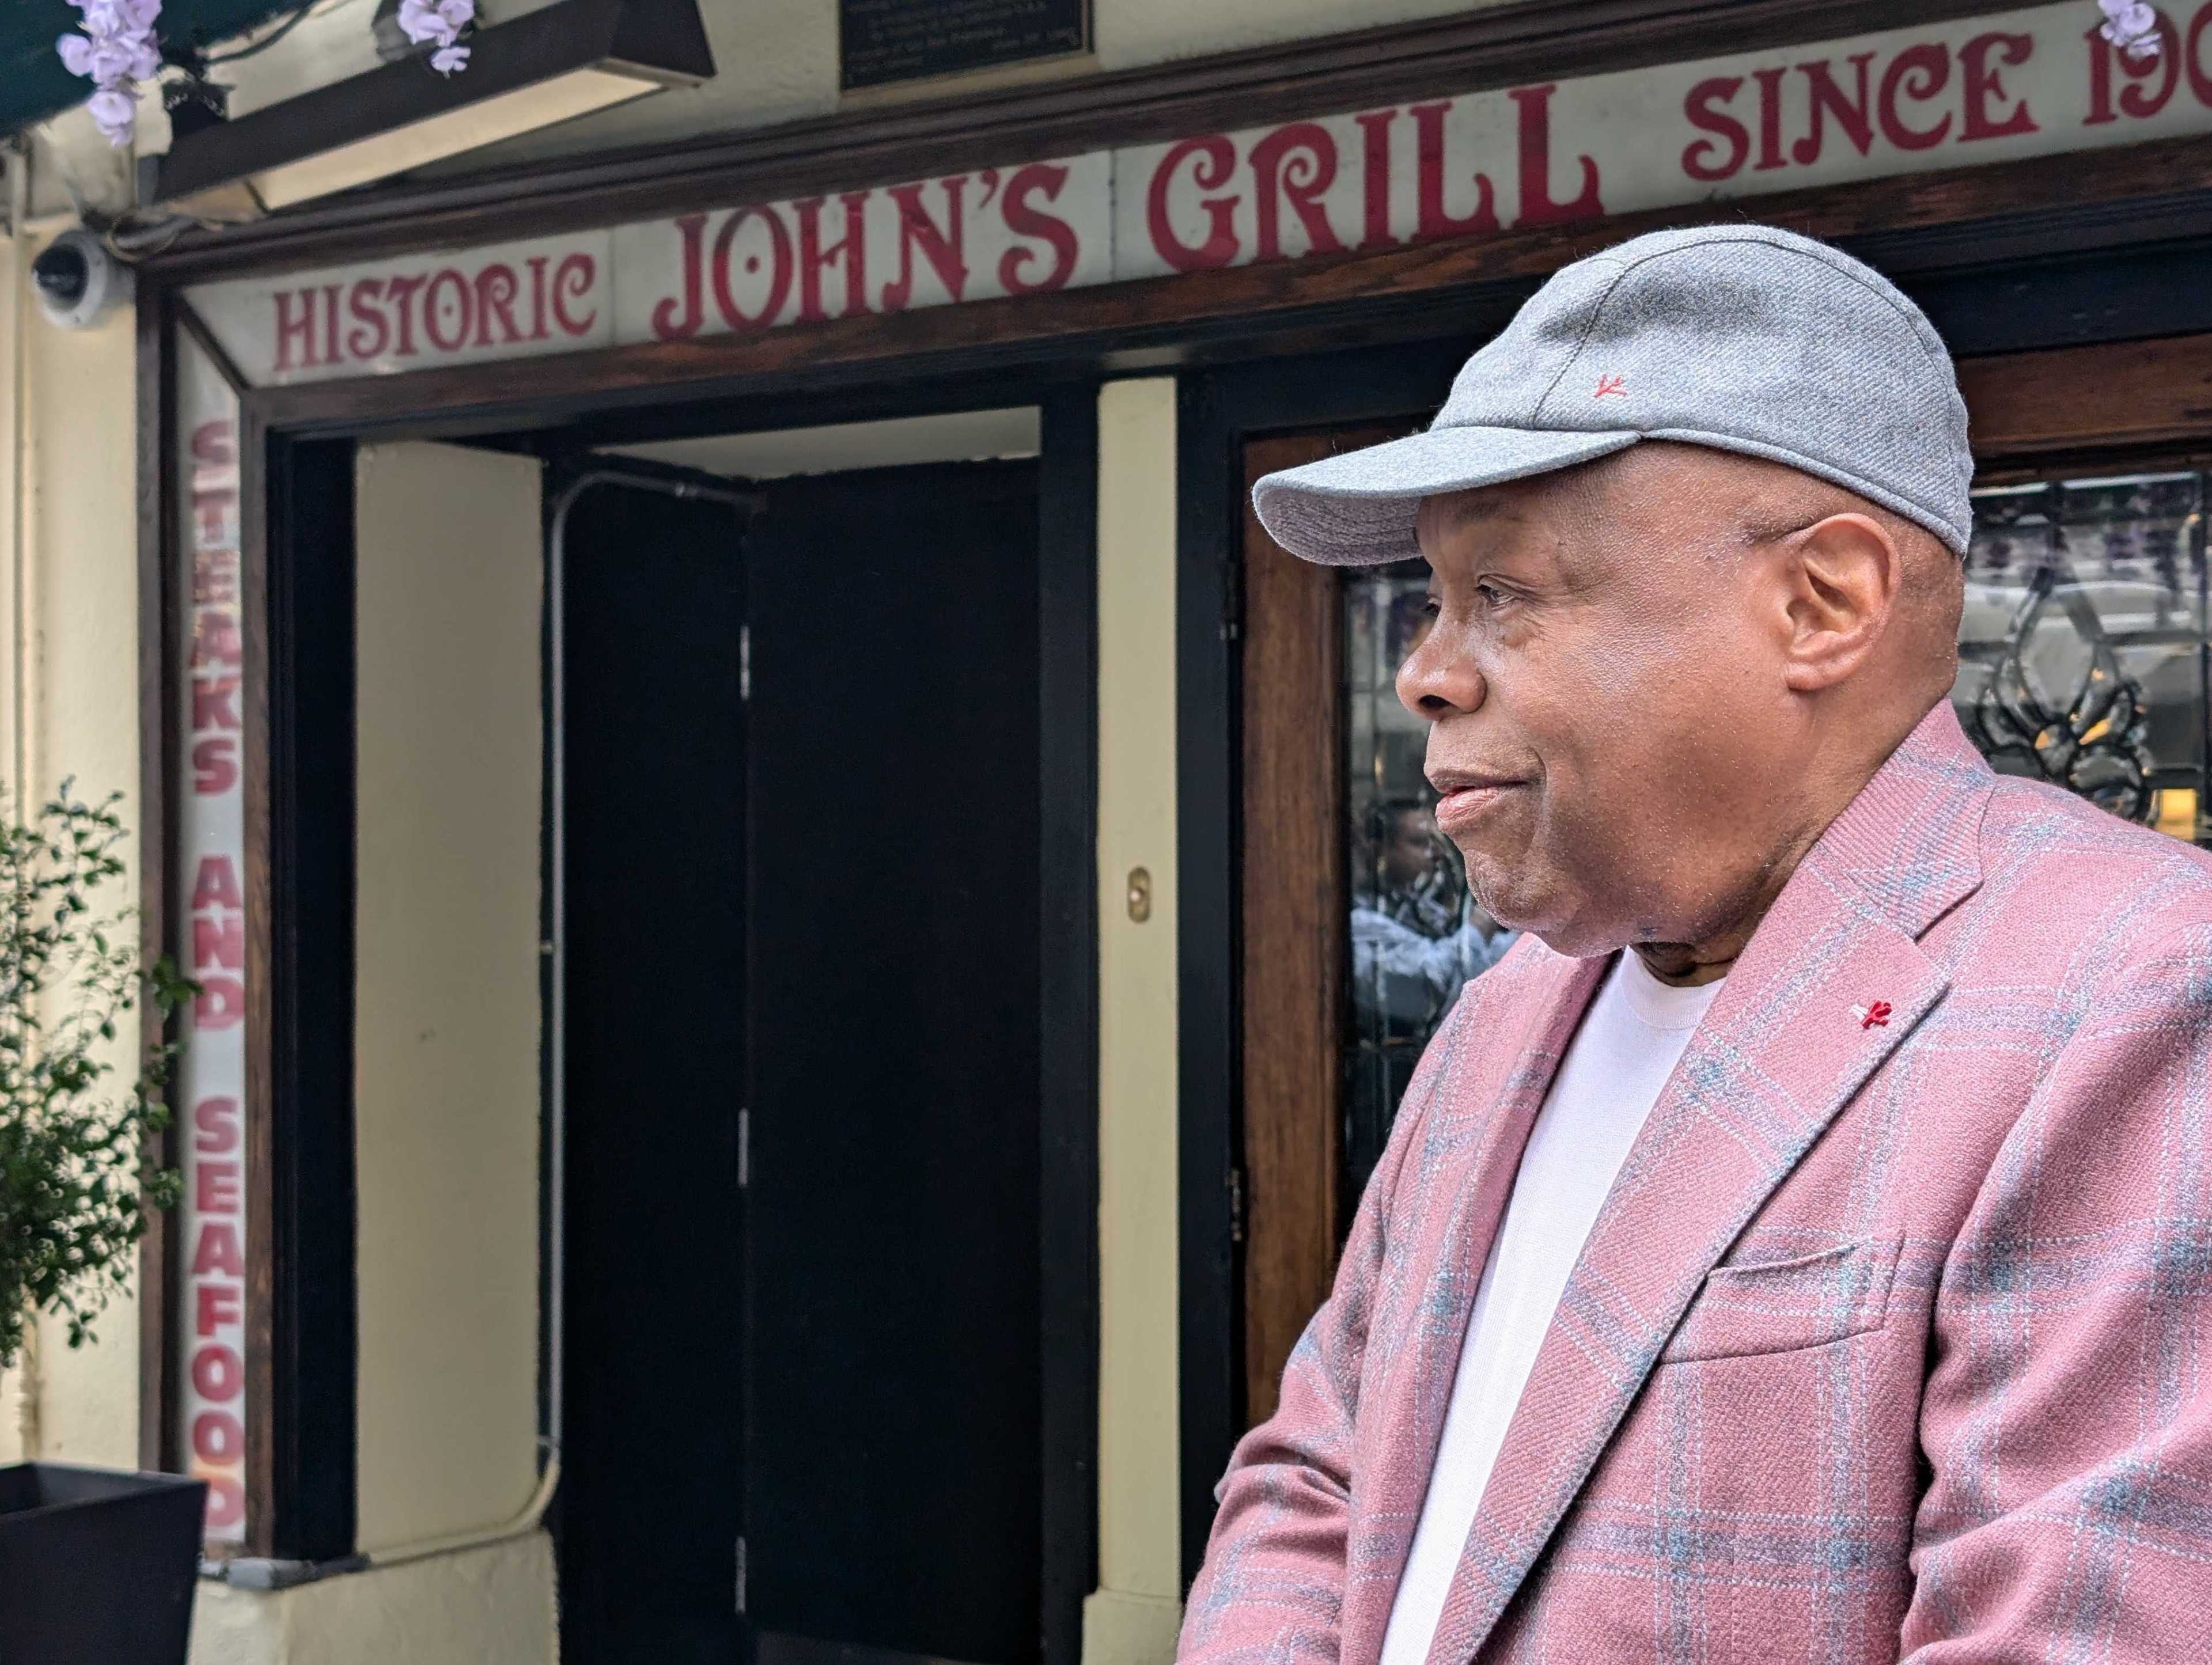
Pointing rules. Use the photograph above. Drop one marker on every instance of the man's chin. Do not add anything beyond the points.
(1546, 916)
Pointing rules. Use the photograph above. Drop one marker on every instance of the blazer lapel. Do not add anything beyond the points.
(1798, 1027)
(1468, 1154)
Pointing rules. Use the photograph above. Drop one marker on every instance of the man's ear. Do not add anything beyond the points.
(1844, 573)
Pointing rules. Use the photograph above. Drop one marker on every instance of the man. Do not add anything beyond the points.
(1799, 1246)
(1417, 937)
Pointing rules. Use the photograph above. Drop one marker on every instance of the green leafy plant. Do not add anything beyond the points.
(74, 1178)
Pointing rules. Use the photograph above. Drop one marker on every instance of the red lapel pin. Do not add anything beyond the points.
(1871, 1016)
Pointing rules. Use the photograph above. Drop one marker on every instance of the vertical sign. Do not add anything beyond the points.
(209, 1089)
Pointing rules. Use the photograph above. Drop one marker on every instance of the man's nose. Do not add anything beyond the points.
(1439, 677)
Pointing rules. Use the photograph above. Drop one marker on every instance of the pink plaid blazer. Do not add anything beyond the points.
(1893, 1340)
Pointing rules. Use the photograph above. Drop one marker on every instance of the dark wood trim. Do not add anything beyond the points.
(2129, 395)
(158, 1443)
(1067, 988)
(190, 321)
(304, 883)
(1292, 878)
(1466, 52)
(1206, 1318)
(2155, 192)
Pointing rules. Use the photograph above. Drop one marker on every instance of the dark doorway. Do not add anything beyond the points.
(805, 1415)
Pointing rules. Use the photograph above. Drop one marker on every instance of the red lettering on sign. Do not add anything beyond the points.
(218, 940)
(215, 1188)
(943, 247)
(1985, 83)
(216, 641)
(211, 702)
(1855, 119)
(1537, 207)
(668, 323)
(1024, 219)
(538, 263)
(372, 330)
(215, 572)
(216, 884)
(401, 292)
(495, 291)
(221, 1002)
(2133, 100)
(1431, 220)
(572, 281)
(1298, 160)
(2192, 56)
(1918, 73)
(1700, 108)
(211, 443)
(1217, 161)
(213, 1306)
(1375, 182)
(331, 324)
(458, 310)
(211, 506)
(226, 1504)
(218, 1251)
(1769, 119)
(296, 330)
(215, 1123)
(217, 1437)
(214, 766)
(779, 282)
(851, 249)
(217, 1372)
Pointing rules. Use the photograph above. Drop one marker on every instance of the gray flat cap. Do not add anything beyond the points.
(1748, 338)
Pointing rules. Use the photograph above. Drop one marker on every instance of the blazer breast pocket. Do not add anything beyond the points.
(1766, 1306)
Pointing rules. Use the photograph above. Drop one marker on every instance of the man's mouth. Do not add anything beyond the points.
(1465, 795)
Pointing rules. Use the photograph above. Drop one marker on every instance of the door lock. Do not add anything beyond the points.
(1140, 894)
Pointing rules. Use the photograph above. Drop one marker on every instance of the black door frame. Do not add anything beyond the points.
(310, 1394)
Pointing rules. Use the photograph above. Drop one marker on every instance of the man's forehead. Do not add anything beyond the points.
(1505, 511)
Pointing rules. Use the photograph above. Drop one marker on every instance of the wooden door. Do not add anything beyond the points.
(1294, 896)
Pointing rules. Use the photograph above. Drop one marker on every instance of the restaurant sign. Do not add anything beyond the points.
(1990, 89)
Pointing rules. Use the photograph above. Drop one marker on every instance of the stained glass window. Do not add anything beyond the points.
(2082, 652)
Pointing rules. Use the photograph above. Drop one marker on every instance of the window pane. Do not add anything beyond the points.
(2083, 648)
(1416, 934)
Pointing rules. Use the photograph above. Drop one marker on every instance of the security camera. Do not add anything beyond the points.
(79, 281)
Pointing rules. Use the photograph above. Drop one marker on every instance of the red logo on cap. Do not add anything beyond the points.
(1611, 385)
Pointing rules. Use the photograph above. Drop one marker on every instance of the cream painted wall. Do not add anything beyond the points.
(777, 60)
(493, 1606)
(1131, 1619)
(1130, 33)
(448, 691)
(69, 655)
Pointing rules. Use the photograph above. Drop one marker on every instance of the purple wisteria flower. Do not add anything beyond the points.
(2131, 26)
(115, 52)
(441, 20)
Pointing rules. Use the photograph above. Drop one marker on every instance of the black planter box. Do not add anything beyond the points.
(97, 1565)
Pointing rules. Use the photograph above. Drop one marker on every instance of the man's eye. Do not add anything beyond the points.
(1491, 594)
(1431, 606)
